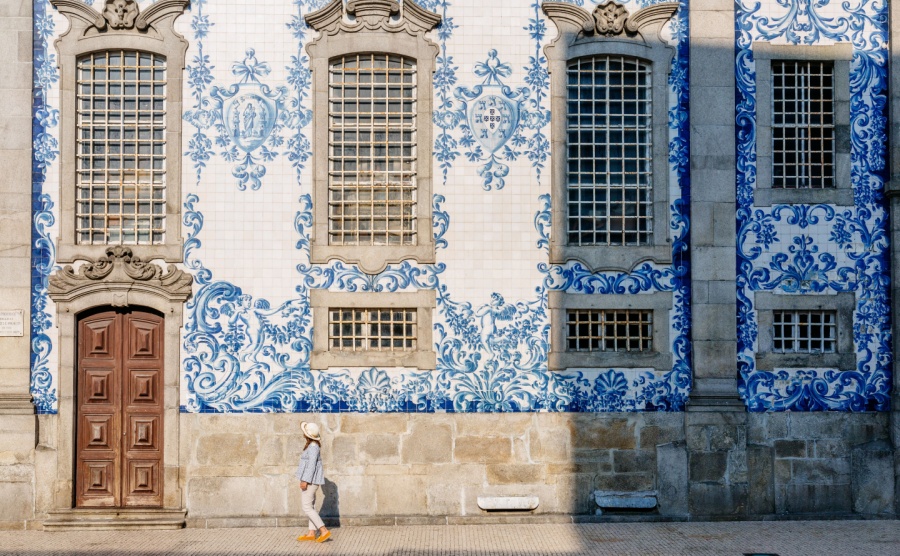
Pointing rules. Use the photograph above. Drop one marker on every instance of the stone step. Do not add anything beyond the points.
(113, 519)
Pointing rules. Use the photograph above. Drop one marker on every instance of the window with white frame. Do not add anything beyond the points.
(121, 148)
(804, 331)
(610, 144)
(609, 330)
(802, 124)
(372, 151)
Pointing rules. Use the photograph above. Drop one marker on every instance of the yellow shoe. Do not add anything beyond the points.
(311, 536)
(324, 536)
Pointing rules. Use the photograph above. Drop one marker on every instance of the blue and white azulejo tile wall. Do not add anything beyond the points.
(249, 212)
(817, 248)
(247, 215)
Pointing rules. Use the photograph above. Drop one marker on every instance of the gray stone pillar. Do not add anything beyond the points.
(17, 420)
(716, 419)
(893, 194)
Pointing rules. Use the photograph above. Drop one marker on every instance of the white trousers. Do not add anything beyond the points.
(308, 503)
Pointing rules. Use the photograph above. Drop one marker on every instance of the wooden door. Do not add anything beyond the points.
(119, 454)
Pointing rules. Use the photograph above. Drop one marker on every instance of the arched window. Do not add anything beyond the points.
(120, 130)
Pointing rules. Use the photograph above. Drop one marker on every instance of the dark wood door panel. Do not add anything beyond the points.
(143, 387)
(143, 434)
(119, 436)
(98, 484)
(99, 434)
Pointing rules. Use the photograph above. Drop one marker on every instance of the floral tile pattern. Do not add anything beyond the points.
(797, 249)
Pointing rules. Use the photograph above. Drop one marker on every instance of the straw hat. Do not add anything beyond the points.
(310, 430)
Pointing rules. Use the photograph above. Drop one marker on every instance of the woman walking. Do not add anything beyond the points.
(311, 477)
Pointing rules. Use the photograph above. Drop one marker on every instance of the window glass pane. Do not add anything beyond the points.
(109, 109)
(804, 331)
(609, 133)
(372, 329)
(609, 330)
(372, 150)
(802, 124)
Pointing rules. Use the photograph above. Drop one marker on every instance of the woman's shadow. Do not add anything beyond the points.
(331, 513)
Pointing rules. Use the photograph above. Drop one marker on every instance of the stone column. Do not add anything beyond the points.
(17, 420)
(893, 194)
(716, 419)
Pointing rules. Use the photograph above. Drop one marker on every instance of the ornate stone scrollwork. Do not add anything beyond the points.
(609, 18)
(120, 14)
(119, 271)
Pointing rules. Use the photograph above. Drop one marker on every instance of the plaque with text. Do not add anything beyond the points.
(12, 323)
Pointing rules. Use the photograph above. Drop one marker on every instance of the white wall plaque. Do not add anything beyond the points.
(12, 323)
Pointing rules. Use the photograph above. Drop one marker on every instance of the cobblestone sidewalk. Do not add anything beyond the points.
(817, 538)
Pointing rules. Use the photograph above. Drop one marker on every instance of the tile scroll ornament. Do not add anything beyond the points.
(45, 152)
(795, 249)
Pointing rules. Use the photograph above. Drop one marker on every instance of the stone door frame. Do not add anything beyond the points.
(116, 280)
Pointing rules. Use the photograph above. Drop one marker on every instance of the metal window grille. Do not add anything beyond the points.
(121, 148)
(804, 331)
(609, 133)
(372, 150)
(802, 124)
(609, 330)
(372, 329)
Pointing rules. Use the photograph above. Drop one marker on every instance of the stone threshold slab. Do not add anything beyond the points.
(113, 519)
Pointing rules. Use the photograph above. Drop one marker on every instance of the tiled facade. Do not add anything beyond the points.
(247, 215)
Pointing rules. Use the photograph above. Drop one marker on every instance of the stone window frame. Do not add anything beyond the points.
(842, 303)
(377, 26)
(841, 54)
(150, 30)
(610, 30)
(560, 358)
(422, 358)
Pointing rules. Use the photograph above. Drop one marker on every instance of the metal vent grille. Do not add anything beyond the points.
(802, 124)
(372, 150)
(609, 132)
(121, 148)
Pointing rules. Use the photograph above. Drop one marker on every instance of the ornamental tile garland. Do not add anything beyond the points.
(796, 249)
(246, 353)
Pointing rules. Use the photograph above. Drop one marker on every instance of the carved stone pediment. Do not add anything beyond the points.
(385, 15)
(120, 272)
(610, 19)
(118, 15)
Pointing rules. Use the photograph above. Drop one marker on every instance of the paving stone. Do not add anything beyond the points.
(533, 535)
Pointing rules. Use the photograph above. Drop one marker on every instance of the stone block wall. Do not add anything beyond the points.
(395, 464)
(820, 463)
